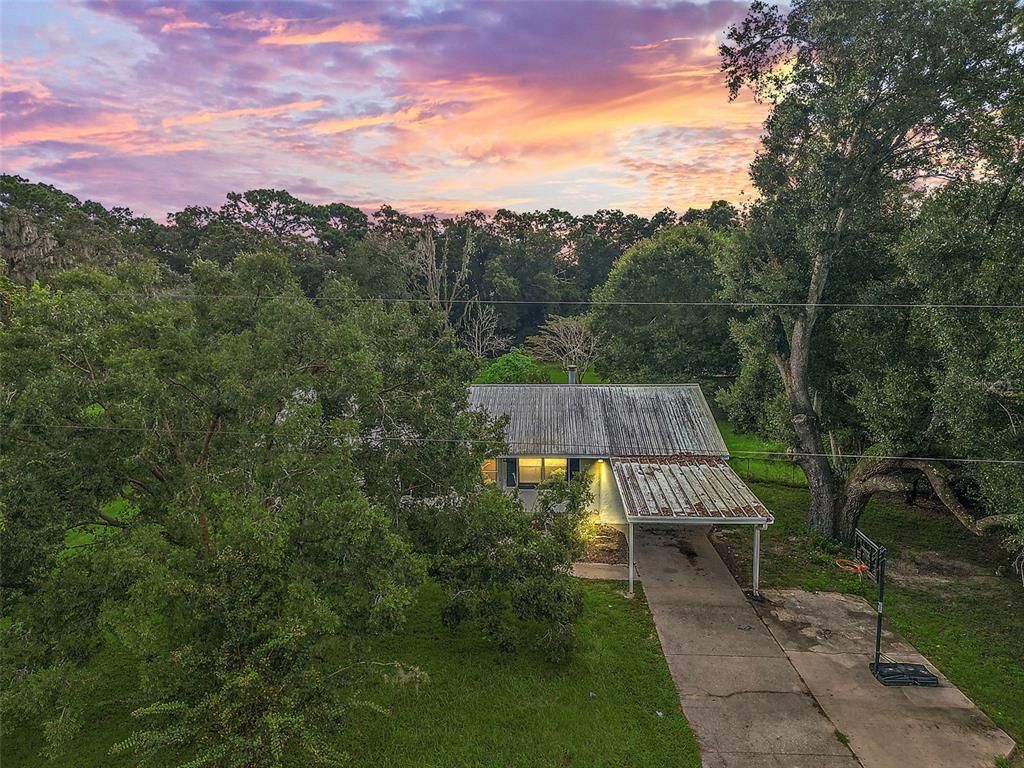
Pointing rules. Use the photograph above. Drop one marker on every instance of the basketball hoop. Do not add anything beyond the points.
(851, 566)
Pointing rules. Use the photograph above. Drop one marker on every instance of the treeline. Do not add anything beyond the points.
(546, 259)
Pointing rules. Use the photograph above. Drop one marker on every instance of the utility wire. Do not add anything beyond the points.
(565, 302)
(623, 452)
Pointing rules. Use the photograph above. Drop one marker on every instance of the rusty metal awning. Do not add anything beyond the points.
(686, 489)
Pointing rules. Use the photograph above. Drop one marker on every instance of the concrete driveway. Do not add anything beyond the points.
(775, 690)
(830, 640)
(745, 701)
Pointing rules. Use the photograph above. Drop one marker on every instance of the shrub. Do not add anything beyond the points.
(514, 367)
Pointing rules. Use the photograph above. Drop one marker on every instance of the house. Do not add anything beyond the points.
(654, 453)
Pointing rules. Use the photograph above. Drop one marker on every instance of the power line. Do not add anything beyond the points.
(639, 450)
(563, 302)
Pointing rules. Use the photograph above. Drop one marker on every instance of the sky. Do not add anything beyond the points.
(432, 106)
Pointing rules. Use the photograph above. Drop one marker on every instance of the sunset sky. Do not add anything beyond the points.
(429, 106)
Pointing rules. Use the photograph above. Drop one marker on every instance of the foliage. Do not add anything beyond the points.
(480, 706)
(867, 100)
(514, 367)
(506, 565)
(44, 230)
(720, 216)
(246, 481)
(646, 343)
(965, 249)
(540, 258)
(568, 341)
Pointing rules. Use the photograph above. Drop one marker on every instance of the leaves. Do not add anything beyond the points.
(246, 480)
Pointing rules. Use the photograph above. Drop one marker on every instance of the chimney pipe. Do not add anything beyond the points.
(571, 370)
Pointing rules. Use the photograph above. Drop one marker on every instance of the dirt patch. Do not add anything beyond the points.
(606, 545)
(926, 569)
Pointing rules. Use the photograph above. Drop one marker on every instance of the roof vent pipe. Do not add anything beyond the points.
(571, 371)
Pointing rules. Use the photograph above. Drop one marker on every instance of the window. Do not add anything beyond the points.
(530, 470)
(534, 470)
(554, 466)
(489, 470)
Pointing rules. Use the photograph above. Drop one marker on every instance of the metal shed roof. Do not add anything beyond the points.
(685, 489)
(602, 420)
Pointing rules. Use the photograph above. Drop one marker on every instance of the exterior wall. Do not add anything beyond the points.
(607, 504)
(607, 499)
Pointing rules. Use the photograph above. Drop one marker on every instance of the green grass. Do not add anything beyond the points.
(483, 707)
(766, 469)
(558, 376)
(943, 595)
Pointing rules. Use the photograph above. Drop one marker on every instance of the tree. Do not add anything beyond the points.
(963, 392)
(480, 331)
(721, 215)
(44, 231)
(250, 481)
(567, 341)
(507, 564)
(640, 340)
(439, 277)
(867, 99)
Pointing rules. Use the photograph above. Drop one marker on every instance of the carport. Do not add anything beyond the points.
(686, 489)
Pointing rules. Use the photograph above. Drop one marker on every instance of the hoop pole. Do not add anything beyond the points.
(880, 609)
(629, 538)
(757, 559)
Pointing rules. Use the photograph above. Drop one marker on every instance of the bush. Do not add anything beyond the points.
(514, 367)
(508, 569)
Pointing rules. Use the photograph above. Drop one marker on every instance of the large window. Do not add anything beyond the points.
(534, 469)
(489, 470)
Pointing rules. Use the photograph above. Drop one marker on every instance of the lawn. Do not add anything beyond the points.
(749, 466)
(558, 376)
(483, 707)
(949, 593)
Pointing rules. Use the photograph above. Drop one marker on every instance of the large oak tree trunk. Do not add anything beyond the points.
(792, 361)
(821, 479)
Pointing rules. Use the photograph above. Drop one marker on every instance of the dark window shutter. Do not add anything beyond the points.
(574, 467)
(511, 472)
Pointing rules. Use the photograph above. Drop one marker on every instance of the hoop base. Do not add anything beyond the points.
(904, 673)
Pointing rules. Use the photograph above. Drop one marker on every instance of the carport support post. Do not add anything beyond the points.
(757, 558)
(629, 539)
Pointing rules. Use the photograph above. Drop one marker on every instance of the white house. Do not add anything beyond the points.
(654, 453)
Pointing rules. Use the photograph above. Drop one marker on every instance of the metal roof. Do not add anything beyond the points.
(685, 489)
(602, 420)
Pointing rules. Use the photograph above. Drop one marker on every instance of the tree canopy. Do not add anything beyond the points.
(643, 340)
(228, 493)
(867, 100)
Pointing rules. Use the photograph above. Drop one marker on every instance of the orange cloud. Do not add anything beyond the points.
(347, 32)
(235, 114)
(516, 123)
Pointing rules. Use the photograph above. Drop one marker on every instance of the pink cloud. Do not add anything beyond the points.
(346, 32)
(601, 104)
(199, 118)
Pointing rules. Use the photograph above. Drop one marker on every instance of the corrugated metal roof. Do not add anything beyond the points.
(602, 420)
(685, 489)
